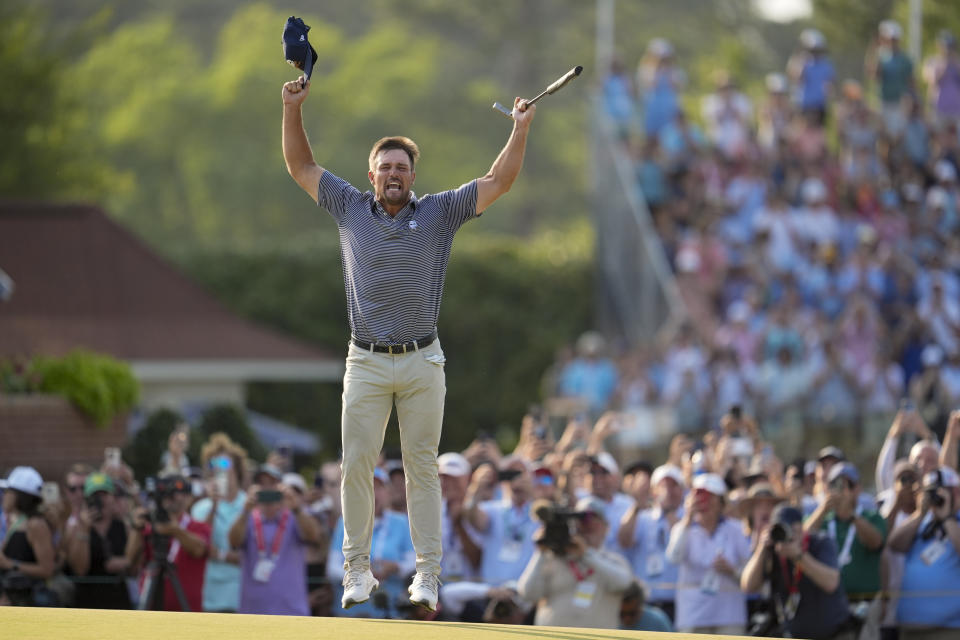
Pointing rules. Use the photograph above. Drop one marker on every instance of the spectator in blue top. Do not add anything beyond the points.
(618, 100)
(893, 71)
(223, 462)
(813, 73)
(637, 615)
(660, 82)
(505, 526)
(591, 376)
(929, 606)
(392, 557)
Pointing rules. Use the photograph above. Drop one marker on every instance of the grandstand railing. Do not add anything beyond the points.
(637, 294)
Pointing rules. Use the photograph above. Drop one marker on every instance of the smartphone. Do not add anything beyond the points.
(50, 493)
(506, 475)
(112, 457)
(736, 412)
(267, 496)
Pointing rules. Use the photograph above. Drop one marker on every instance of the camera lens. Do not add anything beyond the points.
(778, 533)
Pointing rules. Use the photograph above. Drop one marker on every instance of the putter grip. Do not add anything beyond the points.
(567, 77)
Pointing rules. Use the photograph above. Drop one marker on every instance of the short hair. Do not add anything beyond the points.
(395, 142)
(221, 443)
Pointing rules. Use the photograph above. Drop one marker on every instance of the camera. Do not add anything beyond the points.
(556, 525)
(779, 532)
(160, 488)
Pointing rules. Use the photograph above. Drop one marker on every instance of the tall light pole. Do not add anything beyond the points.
(915, 29)
(606, 12)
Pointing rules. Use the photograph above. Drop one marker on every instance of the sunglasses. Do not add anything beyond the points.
(74, 488)
(907, 478)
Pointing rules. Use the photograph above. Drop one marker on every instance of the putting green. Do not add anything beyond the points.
(21, 623)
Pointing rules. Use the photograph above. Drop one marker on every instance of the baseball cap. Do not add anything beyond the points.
(591, 504)
(844, 470)
(710, 482)
(381, 475)
(785, 514)
(98, 482)
(296, 48)
(667, 471)
(830, 452)
(296, 481)
(891, 29)
(453, 464)
(605, 461)
(270, 470)
(25, 480)
(543, 475)
(905, 466)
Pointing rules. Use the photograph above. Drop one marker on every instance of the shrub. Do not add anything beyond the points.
(99, 386)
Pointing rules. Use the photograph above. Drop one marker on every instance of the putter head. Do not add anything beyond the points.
(502, 109)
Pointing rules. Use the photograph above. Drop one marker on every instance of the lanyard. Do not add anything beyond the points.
(513, 525)
(576, 571)
(851, 533)
(277, 536)
(793, 586)
(175, 544)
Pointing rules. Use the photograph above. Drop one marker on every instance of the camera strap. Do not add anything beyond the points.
(845, 556)
(576, 571)
(175, 544)
(277, 536)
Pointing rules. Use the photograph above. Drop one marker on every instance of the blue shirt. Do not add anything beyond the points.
(929, 592)
(221, 581)
(394, 267)
(507, 542)
(650, 539)
(816, 76)
(595, 380)
(391, 541)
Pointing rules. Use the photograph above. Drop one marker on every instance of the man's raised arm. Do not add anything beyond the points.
(296, 148)
(507, 165)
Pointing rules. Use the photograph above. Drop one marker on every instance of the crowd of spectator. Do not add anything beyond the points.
(723, 537)
(815, 234)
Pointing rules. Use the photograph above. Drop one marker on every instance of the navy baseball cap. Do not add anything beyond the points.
(296, 48)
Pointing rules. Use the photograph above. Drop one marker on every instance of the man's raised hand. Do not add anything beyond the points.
(295, 91)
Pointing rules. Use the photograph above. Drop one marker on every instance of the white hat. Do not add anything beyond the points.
(295, 480)
(812, 39)
(660, 47)
(24, 479)
(738, 311)
(606, 461)
(710, 482)
(932, 355)
(776, 83)
(945, 171)
(813, 190)
(937, 198)
(667, 471)
(891, 29)
(453, 464)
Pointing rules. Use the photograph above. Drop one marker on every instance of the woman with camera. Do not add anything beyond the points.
(27, 558)
(929, 608)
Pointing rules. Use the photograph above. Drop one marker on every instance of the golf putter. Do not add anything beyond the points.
(553, 88)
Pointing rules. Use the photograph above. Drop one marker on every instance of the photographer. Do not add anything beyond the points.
(583, 587)
(803, 577)
(859, 534)
(96, 548)
(271, 534)
(929, 606)
(27, 557)
(170, 530)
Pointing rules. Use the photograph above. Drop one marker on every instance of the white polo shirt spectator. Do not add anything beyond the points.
(710, 550)
(454, 477)
(603, 482)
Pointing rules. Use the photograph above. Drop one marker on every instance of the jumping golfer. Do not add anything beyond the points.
(395, 248)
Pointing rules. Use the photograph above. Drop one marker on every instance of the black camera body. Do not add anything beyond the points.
(780, 532)
(556, 534)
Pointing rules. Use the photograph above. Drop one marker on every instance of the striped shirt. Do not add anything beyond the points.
(394, 267)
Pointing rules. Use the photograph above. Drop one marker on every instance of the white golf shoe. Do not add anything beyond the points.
(423, 590)
(357, 585)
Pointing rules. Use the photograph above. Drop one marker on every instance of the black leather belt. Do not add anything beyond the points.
(394, 349)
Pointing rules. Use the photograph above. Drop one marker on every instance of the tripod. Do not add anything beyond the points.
(159, 568)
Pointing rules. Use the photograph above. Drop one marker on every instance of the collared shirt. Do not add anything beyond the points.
(508, 541)
(928, 594)
(700, 601)
(394, 267)
(455, 565)
(648, 554)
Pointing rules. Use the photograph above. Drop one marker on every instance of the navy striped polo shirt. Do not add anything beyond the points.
(393, 268)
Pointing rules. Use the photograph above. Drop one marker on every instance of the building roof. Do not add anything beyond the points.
(82, 280)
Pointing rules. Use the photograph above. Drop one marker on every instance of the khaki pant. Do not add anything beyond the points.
(373, 382)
